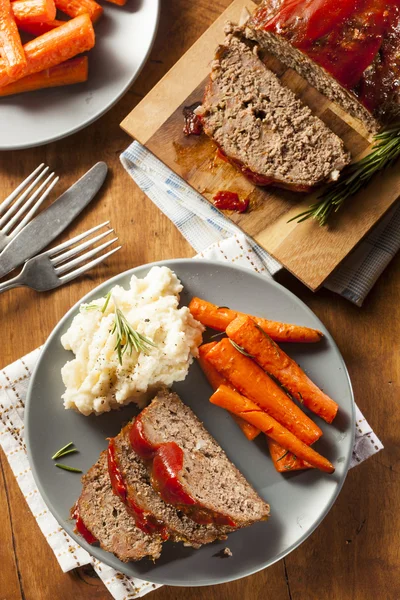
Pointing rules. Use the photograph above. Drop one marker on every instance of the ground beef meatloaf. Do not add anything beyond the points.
(107, 519)
(349, 50)
(135, 489)
(261, 127)
(190, 469)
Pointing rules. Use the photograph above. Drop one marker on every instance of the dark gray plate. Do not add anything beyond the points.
(298, 502)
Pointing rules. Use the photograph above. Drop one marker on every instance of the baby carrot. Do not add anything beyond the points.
(215, 380)
(52, 48)
(247, 334)
(219, 317)
(67, 73)
(285, 461)
(227, 398)
(14, 59)
(37, 29)
(251, 381)
(33, 11)
(73, 8)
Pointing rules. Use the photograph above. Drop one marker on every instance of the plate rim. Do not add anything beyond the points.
(104, 110)
(92, 550)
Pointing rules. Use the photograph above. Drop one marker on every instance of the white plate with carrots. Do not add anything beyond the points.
(63, 63)
(290, 439)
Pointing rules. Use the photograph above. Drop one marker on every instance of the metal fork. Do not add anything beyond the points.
(53, 268)
(14, 217)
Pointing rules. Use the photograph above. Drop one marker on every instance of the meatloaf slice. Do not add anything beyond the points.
(140, 492)
(107, 519)
(207, 475)
(262, 127)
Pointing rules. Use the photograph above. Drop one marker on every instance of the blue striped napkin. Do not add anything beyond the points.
(203, 225)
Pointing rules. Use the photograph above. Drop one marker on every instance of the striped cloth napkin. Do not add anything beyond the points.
(202, 225)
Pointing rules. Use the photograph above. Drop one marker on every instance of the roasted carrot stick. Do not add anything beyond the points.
(12, 52)
(54, 47)
(215, 380)
(251, 381)
(73, 8)
(119, 2)
(219, 317)
(33, 11)
(246, 333)
(67, 73)
(37, 29)
(284, 460)
(248, 410)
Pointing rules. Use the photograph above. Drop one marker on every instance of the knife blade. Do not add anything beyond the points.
(44, 228)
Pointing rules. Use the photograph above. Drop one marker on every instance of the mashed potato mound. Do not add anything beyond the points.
(95, 381)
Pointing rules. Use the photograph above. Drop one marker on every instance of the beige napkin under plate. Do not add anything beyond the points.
(14, 381)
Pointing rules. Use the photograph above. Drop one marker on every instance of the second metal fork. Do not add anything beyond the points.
(53, 268)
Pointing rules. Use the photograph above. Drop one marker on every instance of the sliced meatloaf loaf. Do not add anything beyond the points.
(143, 500)
(107, 519)
(349, 51)
(190, 469)
(262, 127)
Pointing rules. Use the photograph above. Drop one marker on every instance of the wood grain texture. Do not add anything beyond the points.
(310, 252)
(353, 555)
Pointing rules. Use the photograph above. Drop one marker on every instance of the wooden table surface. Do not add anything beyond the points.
(354, 554)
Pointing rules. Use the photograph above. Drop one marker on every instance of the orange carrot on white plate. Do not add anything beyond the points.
(33, 11)
(12, 52)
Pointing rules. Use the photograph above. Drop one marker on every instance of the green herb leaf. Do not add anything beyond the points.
(283, 456)
(240, 349)
(108, 296)
(67, 468)
(127, 338)
(384, 153)
(61, 450)
(217, 335)
(71, 451)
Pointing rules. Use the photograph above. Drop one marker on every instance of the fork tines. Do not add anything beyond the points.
(58, 257)
(22, 201)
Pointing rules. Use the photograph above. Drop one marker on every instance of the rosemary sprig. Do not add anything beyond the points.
(127, 338)
(94, 306)
(61, 450)
(384, 152)
(240, 349)
(283, 456)
(67, 468)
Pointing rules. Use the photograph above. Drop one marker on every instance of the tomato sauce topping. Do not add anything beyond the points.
(225, 200)
(80, 526)
(193, 124)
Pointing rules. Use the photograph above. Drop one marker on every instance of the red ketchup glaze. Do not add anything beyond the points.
(342, 36)
(193, 124)
(166, 466)
(81, 528)
(225, 200)
(145, 521)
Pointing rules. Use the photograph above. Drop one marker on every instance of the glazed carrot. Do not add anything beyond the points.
(227, 398)
(285, 461)
(37, 29)
(215, 380)
(33, 11)
(251, 381)
(54, 47)
(67, 73)
(246, 333)
(219, 317)
(12, 52)
(73, 8)
(119, 2)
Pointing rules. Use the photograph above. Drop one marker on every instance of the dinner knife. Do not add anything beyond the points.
(48, 224)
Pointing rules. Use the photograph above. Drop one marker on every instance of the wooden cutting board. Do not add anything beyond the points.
(309, 251)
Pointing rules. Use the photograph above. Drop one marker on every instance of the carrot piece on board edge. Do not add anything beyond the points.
(251, 381)
(55, 46)
(33, 11)
(67, 73)
(219, 317)
(285, 461)
(215, 380)
(74, 8)
(231, 400)
(13, 55)
(245, 332)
